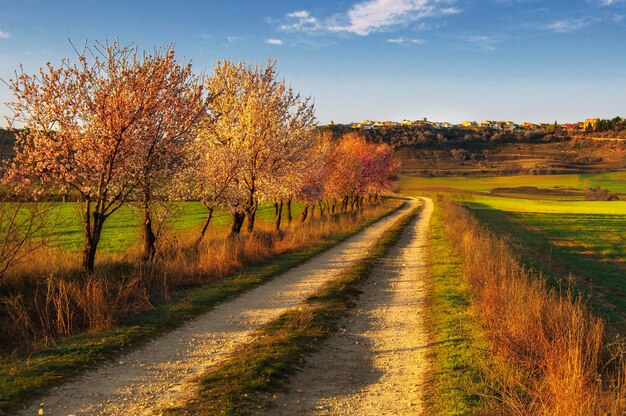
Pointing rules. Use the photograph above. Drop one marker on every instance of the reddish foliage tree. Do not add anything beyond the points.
(89, 128)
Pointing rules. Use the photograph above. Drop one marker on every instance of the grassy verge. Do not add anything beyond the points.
(457, 385)
(547, 351)
(574, 244)
(281, 346)
(23, 378)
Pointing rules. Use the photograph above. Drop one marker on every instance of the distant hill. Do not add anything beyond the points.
(428, 151)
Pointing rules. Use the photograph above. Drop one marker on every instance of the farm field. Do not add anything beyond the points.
(614, 181)
(121, 231)
(559, 237)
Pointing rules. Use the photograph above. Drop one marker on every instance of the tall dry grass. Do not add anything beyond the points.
(550, 353)
(47, 297)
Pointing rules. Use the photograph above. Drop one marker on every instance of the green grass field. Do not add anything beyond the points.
(614, 181)
(554, 235)
(121, 230)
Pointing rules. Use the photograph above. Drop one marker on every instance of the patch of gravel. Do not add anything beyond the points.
(377, 362)
(165, 371)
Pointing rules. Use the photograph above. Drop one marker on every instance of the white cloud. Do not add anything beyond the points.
(232, 38)
(567, 25)
(273, 41)
(300, 21)
(4, 35)
(407, 40)
(368, 16)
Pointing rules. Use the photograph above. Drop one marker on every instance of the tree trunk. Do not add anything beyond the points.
(322, 208)
(235, 227)
(149, 238)
(344, 205)
(332, 207)
(89, 255)
(312, 210)
(251, 214)
(289, 217)
(93, 231)
(305, 212)
(278, 207)
(205, 226)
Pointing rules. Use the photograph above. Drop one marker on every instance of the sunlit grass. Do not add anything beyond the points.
(614, 181)
(121, 230)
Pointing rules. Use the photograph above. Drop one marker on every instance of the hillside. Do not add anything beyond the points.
(427, 151)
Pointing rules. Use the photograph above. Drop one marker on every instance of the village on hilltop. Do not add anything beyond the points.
(588, 124)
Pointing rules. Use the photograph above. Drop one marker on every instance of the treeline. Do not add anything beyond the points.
(616, 124)
(402, 136)
(118, 126)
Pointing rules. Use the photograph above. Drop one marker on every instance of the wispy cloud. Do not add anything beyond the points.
(567, 25)
(369, 16)
(604, 3)
(232, 39)
(4, 35)
(273, 41)
(485, 42)
(407, 40)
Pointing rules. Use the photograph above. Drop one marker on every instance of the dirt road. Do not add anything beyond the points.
(376, 363)
(164, 372)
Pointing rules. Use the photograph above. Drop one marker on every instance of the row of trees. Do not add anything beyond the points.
(118, 126)
(408, 136)
(615, 124)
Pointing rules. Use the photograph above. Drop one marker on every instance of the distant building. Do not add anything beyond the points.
(468, 124)
(528, 126)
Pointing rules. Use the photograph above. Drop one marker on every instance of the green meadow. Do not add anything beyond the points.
(121, 230)
(559, 236)
(614, 181)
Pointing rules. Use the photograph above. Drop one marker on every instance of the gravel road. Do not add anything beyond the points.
(376, 363)
(164, 372)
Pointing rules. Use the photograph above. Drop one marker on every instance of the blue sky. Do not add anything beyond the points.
(520, 60)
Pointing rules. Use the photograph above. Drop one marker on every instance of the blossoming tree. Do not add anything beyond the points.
(88, 128)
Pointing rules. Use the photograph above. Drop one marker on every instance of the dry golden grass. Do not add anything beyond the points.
(550, 352)
(47, 296)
